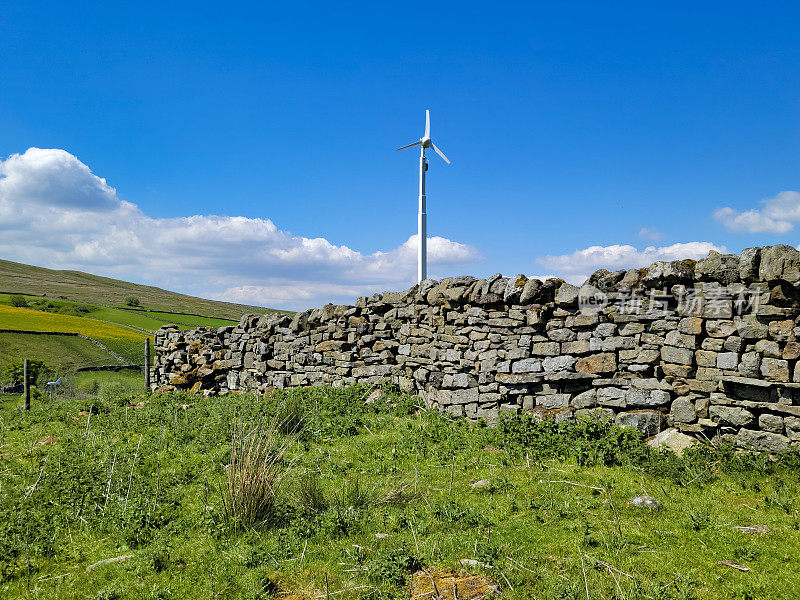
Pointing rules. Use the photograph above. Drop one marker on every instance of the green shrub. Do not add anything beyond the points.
(393, 565)
(38, 372)
(19, 301)
(132, 301)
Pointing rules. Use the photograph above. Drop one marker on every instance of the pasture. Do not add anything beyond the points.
(126, 496)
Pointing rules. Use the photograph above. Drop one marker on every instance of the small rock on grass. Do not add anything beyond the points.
(481, 484)
(733, 565)
(644, 502)
(375, 396)
(471, 562)
(751, 528)
(382, 536)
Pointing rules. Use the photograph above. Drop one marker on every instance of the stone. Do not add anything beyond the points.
(597, 363)
(749, 261)
(720, 328)
(762, 441)
(727, 360)
(666, 274)
(481, 484)
(527, 365)
(779, 262)
(691, 325)
(792, 425)
(731, 415)
(567, 294)
(775, 369)
(561, 334)
(682, 411)
(649, 422)
(781, 330)
(530, 291)
(706, 358)
(771, 423)
(545, 349)
(647, 502)
(752, 529)
(514, 289)
(680, 340)
(750, 327)
(768, 348)
(791, 351)
(636, 397)
(585, 399)
(558, 363)
(673, 440)
(750, 364)
(723, 268)
(680, 356)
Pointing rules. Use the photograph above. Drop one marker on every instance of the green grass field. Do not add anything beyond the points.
(150, 320)
(61, 353)
(366, 495)
(188, 320)
(84, 287)
(128, 343)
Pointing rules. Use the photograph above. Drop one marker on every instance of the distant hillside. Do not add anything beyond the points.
(83, 287)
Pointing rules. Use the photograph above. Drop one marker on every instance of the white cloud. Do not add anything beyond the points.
(55, 212)
(577, 267)
(651, 234)
(778, 215)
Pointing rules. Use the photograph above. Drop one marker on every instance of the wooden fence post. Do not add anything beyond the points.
(147, 365)
(26, 378)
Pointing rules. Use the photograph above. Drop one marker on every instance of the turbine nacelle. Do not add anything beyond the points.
(426, 141)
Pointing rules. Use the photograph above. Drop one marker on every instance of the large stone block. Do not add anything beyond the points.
(762, 441)
(775, 369)
(779, 262)
(682, 411)
(527, 365)
(731, 415)
(597, 363)
(649, 422)
(545, 349)
(680, 356)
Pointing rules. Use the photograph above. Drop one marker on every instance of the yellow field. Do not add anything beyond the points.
(34, 320)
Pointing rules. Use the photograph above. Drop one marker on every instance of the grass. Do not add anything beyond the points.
(126, 342)
(58, 352)
(190, 320)
(84, 287)
(86, 480)
(146, 320)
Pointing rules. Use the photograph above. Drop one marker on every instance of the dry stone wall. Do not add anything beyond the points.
(710, 347)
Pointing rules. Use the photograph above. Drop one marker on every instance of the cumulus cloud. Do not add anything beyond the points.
(651, 234)
(577, 266)
(777, 215)
(55, 212)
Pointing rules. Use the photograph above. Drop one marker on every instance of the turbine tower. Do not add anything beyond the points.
(422, 218)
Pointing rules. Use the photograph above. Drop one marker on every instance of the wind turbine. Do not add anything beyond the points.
(422, 218)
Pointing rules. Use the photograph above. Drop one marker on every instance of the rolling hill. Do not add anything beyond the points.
(17, 278)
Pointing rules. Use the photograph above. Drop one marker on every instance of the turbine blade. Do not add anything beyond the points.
(417, 143)
(427, 123)
(440, 153)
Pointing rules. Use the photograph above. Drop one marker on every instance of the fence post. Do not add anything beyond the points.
(26, 379)
(147, 365)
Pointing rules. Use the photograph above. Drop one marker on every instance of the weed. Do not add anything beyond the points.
(393, 565)
(255, 476)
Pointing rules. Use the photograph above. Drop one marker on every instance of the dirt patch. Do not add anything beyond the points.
(446, 584)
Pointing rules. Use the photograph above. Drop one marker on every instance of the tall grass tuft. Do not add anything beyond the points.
(259, 465)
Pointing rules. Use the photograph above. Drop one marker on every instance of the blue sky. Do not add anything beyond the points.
(570, 126)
